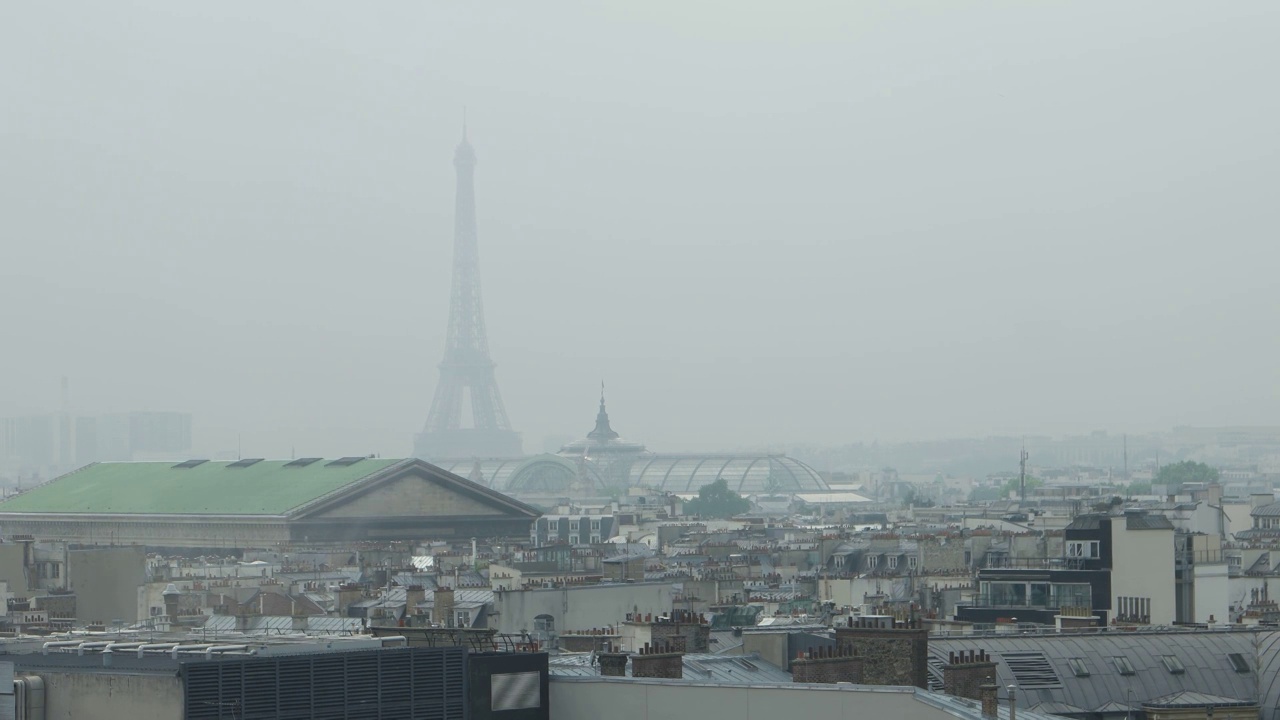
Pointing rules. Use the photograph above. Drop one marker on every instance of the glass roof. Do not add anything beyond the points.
(745, 474)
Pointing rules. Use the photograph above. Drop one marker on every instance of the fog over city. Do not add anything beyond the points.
(759, 223)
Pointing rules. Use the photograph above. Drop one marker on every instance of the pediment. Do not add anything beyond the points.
(412, 494)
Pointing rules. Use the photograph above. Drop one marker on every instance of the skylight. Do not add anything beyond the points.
(245, 462)
(1032, 670)
(1123, 665)
(344, 461)
(1173, 664)
(1078, 667)
(1239, 663)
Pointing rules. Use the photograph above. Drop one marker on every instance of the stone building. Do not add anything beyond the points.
(254, 503)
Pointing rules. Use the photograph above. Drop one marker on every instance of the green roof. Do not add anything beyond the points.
(269, 487)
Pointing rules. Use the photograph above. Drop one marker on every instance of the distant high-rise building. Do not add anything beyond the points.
(45, 445)
(29, 444)
(466, 374)
(133, 436)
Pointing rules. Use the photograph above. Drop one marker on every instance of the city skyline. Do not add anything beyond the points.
(834, 247)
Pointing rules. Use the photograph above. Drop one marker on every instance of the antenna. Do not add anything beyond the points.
(1022, 473)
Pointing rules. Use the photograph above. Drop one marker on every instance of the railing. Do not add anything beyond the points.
(1201, 557)
(1030, 629)
(1041, 563)
(985, 601)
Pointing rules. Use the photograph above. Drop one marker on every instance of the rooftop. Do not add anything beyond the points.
(266, 487)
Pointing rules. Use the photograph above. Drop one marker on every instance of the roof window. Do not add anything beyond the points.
(1078, 667)
(1032, 670)
(1123, 665)
(302, 462)
(1173, 664)
(343, 462)
(1239, 663)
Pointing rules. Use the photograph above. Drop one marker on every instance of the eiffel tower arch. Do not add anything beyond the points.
(467, 372)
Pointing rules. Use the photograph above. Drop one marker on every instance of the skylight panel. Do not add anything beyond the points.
(245, 463)
(1173, 664)
(1032, 670)
(343, 462)
(1239, 663)
(1123, 665)
(302, 462)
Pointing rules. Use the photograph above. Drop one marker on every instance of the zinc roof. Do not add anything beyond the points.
(268, 487)
(1203, 656)
(699, 667)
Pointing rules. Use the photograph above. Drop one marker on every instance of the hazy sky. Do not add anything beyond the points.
(760, 222)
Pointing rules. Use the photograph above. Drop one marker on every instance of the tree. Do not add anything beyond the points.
(1187, 471)
(918, 499)
(716, 500)
(1013, 489)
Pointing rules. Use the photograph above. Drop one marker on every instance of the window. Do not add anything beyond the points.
(553, 526)
(839, 560)
(573, 539)
(1239, 663)
(544, 623)
(1082, 549)
(911, 562)
(1078, 667)
(595, 525)
(463, 619)
(893, 562)
(871, 561)
(1032, 670)
(573, 526)
(1173, 664)
(1123, 666)
(595, 539)
(515, 691)
(1007, 594)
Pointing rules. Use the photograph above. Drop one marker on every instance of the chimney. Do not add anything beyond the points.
(348, 595)
(990, 698)
(827, 664)
(893, 652)
(413, 595)
(689, 628)
(658, 661)
(966, 672)
(612, 664)
(171, 595)
(444, 614)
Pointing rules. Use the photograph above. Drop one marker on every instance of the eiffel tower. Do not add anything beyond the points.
(466, 374)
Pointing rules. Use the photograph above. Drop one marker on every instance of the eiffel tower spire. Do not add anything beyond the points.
(467, 370)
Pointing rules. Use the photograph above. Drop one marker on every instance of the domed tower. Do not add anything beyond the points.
(606, 450)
